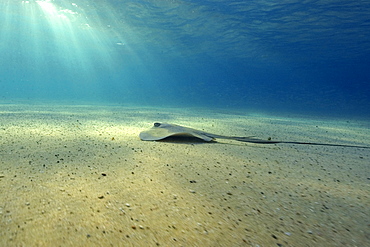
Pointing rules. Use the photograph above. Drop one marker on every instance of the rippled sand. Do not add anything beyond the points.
(80, 176)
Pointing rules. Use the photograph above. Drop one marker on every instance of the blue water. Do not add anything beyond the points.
(296, 56)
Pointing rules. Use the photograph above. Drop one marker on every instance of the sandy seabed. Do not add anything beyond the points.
(80, 176)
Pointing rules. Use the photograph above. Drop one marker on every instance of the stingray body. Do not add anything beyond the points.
(160, 131)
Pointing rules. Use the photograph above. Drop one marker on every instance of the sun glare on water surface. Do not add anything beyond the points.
(63, 40)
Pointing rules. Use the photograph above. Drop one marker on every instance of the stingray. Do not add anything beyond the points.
(161, 131)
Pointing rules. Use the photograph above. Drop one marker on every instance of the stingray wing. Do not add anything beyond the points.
(150, 135)
(163, 130)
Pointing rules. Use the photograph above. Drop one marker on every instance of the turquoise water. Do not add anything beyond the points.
(79, 80)
(282, 56)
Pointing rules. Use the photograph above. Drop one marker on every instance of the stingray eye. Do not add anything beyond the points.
(157, 124)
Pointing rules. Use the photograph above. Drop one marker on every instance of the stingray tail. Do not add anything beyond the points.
(260, 141)
(250, 139)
